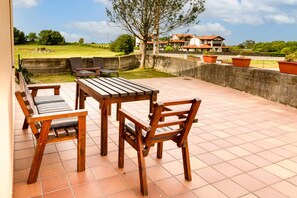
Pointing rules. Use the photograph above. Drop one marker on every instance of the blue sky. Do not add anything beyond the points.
(234, 20)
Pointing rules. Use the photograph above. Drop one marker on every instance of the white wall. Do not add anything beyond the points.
(6, 99)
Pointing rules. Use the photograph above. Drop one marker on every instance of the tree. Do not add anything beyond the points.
(31, 37)
(124, 43)
(50, 37)
(81, 41)
(144, 18)
(248, 44)
(19, 36)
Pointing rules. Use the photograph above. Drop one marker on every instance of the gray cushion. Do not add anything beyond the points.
(47, 99)
(64, 123)
(131, 128)
(86, 72)
(53, 107)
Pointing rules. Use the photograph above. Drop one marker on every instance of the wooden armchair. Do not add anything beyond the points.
(141, 135)
(50, 121)
(80, 71)
(98, 62)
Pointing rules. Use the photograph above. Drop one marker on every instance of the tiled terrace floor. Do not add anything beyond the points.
(243, 146)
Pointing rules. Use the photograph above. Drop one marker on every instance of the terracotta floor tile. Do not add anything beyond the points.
(156, 173)
(153, 191)
(288, 164)
(240, 152)
(210, 174)
(264, 176)
(209, 158)
(103, 171)
(269, 192)
(51, 169)
(126, 194)
(227, 169)
(77, 178)
(21, 190)
(65, 193)
(279, 171)
(230, 188)
(171, 186)
(21, 175)
(249, 196)
(248, 182)
(196, 182)
(186, 195)
(209, 192)
(224, 155)
(88, 190)
(243, 164)
(112, 185)
(54, 183)
(286, 188)
(175, 167)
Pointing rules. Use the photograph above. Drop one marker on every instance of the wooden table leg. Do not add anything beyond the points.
(81, 99)
(153, 98)
(119, 105)
(104, 127)
(76, 96)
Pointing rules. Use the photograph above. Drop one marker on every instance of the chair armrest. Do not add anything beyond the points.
(88, 68)
(35, 88)
(140, 123)
(53, 116)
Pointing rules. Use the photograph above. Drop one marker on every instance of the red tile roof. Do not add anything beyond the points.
(205, 46)
(177, 41)
(183, 35)
(212, 37)
(190, 47)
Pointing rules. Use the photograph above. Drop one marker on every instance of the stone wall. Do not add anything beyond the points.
(62, 65)
(269, 84)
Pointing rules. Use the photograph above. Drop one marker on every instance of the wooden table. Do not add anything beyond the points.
(112, 90)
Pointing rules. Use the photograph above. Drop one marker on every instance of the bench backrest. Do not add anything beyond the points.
(76, 62)
(98, 62)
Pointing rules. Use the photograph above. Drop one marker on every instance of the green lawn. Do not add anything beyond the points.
(59, 51)
(131, 74)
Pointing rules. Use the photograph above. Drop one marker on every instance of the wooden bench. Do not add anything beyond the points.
(51, 119)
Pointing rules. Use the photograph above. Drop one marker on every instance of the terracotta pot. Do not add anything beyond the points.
(287, 67)
(210, 58)
(241, 62)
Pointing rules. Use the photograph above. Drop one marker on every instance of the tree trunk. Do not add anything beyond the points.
(143, 54)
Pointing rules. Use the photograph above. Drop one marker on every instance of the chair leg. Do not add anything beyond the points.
(186, 161)
(39, 151)
(25, 124)
(141, 167)
(81, 144)
(121, 142)
(119, 106)
(160, 150)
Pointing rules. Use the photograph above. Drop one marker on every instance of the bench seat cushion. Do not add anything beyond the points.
(47, 99)
(57, 107)
(53, 107)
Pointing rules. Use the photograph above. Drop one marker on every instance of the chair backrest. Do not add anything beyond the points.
(98, 62)
(76, 62)
(172, 121)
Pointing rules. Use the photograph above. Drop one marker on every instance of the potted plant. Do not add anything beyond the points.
(192, 57)
(289, 66)
(241, 60)
(209, 57)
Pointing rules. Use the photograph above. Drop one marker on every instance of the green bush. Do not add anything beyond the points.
(124, 43)
(19, 36)
(169, 48)
(50, 37)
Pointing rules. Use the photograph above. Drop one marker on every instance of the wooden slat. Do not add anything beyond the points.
(111, 92)
(134, 85)
(141, 85)
(174, 113)
(94, 88)
(171, 123)
(119, 86)
(116, 89)
(122, 84)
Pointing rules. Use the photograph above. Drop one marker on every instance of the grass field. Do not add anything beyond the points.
(59, 51)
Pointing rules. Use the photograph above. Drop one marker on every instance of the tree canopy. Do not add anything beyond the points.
(50, 37)
(143, 18)
(19, 36)
(124, 43)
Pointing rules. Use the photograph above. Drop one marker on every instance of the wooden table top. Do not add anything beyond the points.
(116, 87)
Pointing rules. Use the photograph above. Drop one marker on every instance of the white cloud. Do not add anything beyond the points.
(101, 30)
(104, 2)
(73, 37)
(210, 29)
(252, 12)
(26, 3)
